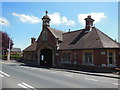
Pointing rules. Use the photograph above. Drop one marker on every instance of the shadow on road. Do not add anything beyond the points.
(33, 65)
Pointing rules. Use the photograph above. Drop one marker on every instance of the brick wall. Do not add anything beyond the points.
(51, 41)
(97, 57)
(76, 56)
(117, 52)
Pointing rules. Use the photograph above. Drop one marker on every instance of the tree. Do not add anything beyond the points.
(4, 42)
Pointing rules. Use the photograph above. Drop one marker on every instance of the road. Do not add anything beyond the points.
(17, 75)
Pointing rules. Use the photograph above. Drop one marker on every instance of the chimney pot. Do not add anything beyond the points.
(69, 30)
(89, 16)
(33, 40)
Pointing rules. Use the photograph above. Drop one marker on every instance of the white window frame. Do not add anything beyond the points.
(84, 61)
(63, 61)
(113, 57)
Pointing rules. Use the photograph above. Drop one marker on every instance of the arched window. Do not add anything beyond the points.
(44, 35)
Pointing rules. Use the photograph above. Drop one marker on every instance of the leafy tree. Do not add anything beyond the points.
(4, 42)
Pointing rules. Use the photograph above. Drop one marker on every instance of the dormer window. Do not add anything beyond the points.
(44, 35)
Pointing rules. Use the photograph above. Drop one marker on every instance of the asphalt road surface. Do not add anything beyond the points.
(17, 75)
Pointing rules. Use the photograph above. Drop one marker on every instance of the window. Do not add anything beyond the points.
(46, 22)
(42, 57)
(66, 57)
(111, 57)
(103, 53)
(88, 58)
(44, 35)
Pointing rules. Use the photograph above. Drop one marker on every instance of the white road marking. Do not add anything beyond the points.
(27, 85)
(68, 75)
(59, 71)
(91, 79)
(22, 86)
(4, 74)
(94, 80)
(40, 69)
(87, 78)
(26, 67)
(116, 84)
(44, 70)
(34, 68)
(52, 72)
(1, 75)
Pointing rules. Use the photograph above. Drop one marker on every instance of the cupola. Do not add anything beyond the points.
(46, 20)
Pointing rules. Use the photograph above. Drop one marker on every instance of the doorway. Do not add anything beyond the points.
(46, 57)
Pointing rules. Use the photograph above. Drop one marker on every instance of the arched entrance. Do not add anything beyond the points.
(46, 57)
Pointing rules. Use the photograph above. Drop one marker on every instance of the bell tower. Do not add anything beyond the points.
(46, 20)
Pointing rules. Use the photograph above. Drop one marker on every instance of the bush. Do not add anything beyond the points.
(4, 57)
(15, 56)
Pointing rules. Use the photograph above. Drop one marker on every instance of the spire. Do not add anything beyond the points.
(46, 15)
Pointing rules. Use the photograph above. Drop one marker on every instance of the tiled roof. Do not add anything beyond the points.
(90, 40)
(80, 39)
(68, 38)
(57, 33)
(32, 47)
(106, 41)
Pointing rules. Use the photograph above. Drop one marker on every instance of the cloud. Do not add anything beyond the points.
(4, 21)
(96, 16)
(27, 18)
(57, 19)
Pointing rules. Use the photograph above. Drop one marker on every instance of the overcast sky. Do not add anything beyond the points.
(23, 19)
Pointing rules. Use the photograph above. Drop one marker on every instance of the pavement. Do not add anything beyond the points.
(109, 75)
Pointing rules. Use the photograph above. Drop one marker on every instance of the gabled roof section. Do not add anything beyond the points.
(90, 40)
(68, 38)
(32, 47)
(82, 33)
(106, 41)
(57, 33)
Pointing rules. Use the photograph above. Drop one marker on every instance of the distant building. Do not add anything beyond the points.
(88, 47)
(15, 51)
(30, 52)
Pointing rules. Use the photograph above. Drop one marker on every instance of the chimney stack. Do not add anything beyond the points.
(89, 22)
(69, 30)
(33, 40)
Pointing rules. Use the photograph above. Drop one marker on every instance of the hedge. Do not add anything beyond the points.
(4, 57)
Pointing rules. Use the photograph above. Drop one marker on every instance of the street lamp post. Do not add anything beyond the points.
(8, 56)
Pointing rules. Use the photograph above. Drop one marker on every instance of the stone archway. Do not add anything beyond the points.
(46, 56)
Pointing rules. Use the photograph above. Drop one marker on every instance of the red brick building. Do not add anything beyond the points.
(84, 47)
